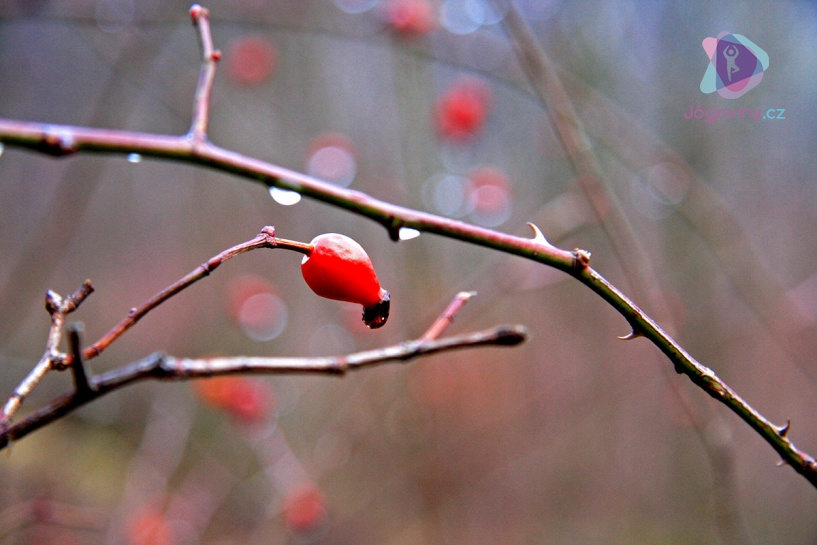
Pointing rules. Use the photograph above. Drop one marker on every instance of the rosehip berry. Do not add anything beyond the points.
(339, 268)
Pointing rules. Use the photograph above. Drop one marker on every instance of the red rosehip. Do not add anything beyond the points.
(338, 268)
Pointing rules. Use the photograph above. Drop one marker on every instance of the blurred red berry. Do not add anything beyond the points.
(304, 508)
(410, 17)
(251, 60)
(246, 400)
(150, 527)
(462, 110)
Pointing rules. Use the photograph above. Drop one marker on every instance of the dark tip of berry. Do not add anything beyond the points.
(376, 315)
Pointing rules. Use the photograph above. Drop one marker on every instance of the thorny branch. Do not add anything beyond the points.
(65, 140)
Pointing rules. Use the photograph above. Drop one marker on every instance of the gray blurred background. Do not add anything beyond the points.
(574, 437)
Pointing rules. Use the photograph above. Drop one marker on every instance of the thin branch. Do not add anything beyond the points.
(447, 317)
(58, 308)
(162, 367)
(265, 239)
(63, 140)
(207, 75)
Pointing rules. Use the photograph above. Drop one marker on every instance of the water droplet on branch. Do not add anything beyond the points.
(407, 233)
(284, 196)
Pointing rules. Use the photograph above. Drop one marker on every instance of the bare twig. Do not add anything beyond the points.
(64, 140)
(207, 74)
(58, 308)
(447, 317)
(265, 239)
(162, 367)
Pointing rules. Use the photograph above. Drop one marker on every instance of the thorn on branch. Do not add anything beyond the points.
(538, 236)
(783, 431)
(631, 335)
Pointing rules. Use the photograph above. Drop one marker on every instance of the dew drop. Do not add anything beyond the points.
(284, 196)
(1, 149)
(134, 158)
(407, 233)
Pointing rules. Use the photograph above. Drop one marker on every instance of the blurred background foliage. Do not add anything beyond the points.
(575, 437)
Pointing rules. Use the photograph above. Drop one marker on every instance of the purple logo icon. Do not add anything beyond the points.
(736, 65)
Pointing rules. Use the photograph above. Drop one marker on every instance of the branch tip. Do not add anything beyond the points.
(631, 335)
(52, 301)
(58, 142)
(197, 12)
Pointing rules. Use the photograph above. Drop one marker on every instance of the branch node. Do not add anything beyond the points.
(58, 142)
(393, 228)
(581, 258)
(269, 233)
